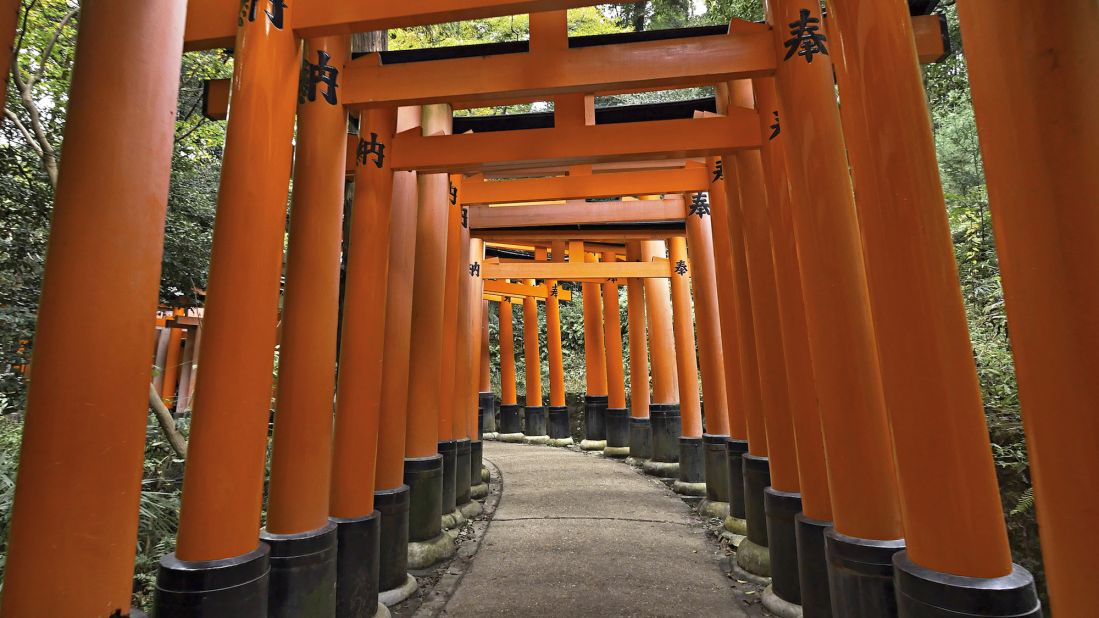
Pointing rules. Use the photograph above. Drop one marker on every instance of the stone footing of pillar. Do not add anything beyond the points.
(923, 592)
(358, 563)
(453, 519)
(692, 468)
(535, 430)
(484, 474)
(427, 544)
(398, 594)
(510, 423)
(486, 402)
(752, 553)
(448, 450)
(734, 452)
(717, 469)
(477, 487)
(618, 433)
(860, 575)
(595, 423)
(393, 549)
(235, 586)
(471, 509)
(665, 426)
(463, 472)
(816, 599)
(303, 576)
(641, 441)
(781, 507)
(779, 606)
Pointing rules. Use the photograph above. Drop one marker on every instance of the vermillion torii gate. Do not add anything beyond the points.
(907, 520)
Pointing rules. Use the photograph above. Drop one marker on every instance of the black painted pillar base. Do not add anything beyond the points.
(860, 575)
(424, 477)
(734, 459)
(781, 508)
(557, 425)
(393, 550)
(717, 468)
(641, 441)
(752, 553)
(923, 593)
(692, 468)
(478, 488)
(231, 588)
(535, 429)
(511, 426)
(448, 450)
(358, 562)
(487, 403)
(303, 573)
(618, 432)
(462, 477)
(595, 423)
(664, 423)
(816, 598)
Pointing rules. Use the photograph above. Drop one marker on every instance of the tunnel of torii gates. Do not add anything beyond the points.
(843, 434)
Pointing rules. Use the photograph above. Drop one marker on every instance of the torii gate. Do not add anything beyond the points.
(899, 407)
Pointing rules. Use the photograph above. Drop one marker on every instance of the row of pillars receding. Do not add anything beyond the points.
(852, 413)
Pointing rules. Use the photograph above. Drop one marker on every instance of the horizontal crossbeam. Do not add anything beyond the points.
(577, 271)
(577, 145)
(213, 23)
(609, 234)
(685, 180)
(576, 212)
(539, 292)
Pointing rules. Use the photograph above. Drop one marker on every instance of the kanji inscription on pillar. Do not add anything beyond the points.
(453, 195)
(553, 291)
(700, 205)
(372, 148)
(719, 171)
(805, 38)
(775, 128)
(314, 75)
(681, 268)
(276, 12)
(475, 269)
(465, 217)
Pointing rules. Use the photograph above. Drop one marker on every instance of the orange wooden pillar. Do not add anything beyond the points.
(729, 296)
(616, 419)
(771, 484)
(692, 480)
(510, 428)
(463, 400)
(447, 403)
(711, 354)
(841, 337)
(9, 20)
(664, 421)
(641, 439)
(160, 356)
(477, 318)
(186, 372)
(223, 483)
(485, 397)
(595, 359)
(816, 506)
(557, 415)
(534, 427)
(424, 467)
(391, 495)
(302, 453)
(71, 548)
(171, 365)
(950, 498)
(1040, 157)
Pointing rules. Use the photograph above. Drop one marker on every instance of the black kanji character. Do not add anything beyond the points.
(373, 147)
(805, 39)
(699, 205)
(553, 291)
(276, 15)
(775, 128)
(475, 269)
(719, 171)
(320, 73)
(453, 195)
(465, 217)
(681, 268)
